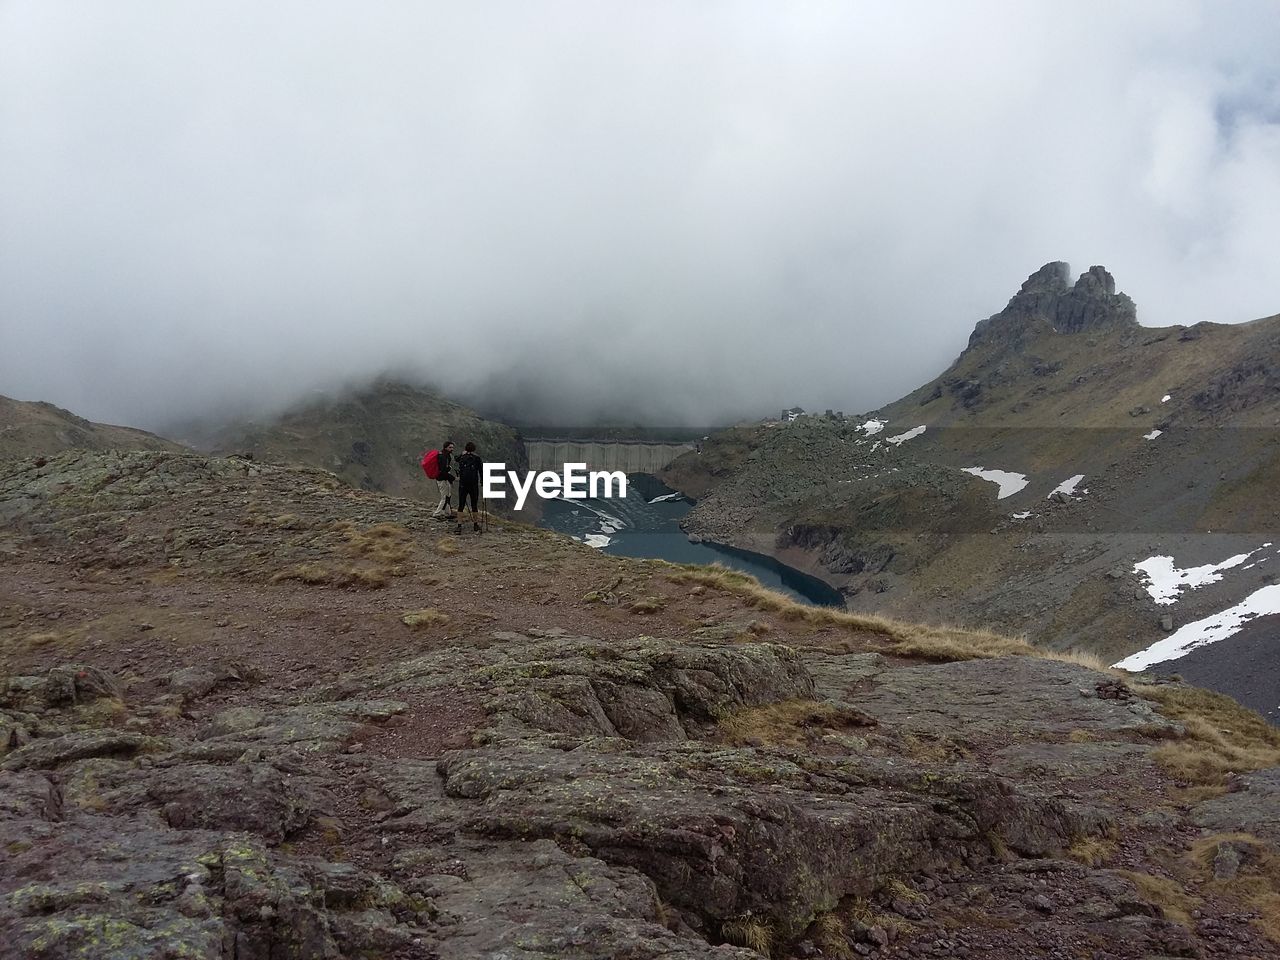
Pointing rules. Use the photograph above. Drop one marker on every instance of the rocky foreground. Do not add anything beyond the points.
(248, 712)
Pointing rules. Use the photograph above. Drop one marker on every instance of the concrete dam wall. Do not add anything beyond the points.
(628, 456)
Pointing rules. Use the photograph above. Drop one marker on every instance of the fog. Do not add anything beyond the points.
(667, 212)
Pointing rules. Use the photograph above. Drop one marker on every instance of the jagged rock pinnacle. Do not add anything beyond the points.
(1090, 304)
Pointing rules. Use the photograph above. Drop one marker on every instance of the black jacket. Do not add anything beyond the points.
(445, 460)
(470, 467)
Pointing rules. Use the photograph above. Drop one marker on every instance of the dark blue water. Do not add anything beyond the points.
(645, 526)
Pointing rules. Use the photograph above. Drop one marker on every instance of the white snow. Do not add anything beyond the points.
(1152, 435)
(609, 524)
(902, 438)
(1165, 580)
(669, 496)
(1021, 516)
(1009, 483)
(1211, 629)
(1166, 398)
(872, 427)
(1067, 486)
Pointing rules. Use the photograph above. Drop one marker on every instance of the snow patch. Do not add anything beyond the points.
(872, 427)
(1166, 398)
(597, 540)
(1152, 435)
(1219, 626)
(1021, 516)
(1067, 486)
(902, 438)
(669, 496)
(1009, 483)
(1165, 580)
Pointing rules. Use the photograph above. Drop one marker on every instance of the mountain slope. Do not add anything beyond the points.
(372, 438)
(34, 429)
(248, 704)
(1171, 430)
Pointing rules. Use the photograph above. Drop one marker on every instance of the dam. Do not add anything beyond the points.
(629, 456)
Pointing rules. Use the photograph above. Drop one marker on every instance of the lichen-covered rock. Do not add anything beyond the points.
(51, 752)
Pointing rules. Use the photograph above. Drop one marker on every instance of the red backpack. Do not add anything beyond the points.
(431, 464)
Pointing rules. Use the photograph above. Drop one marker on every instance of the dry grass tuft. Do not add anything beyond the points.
(906, 639)
(422, 619)
(1223, 737)
(897, 890)
(935, 748)
(312, 573)
(789, 723)
(316, 574)
(1256, 884)
(748, 933)
(447, 546)
(1169, 895)
(828, 934)
(1092, 851)
(385, 544)
(646, 605)
(1083, 658)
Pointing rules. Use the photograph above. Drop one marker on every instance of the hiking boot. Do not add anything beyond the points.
(475, 525)
(458, 531)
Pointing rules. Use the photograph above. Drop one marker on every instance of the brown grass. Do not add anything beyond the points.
(447, 546)
(316, 574)
(789, 723)
(937, 643)
(1092, 851)
(748, 933)
(312, 573)
(386, 544)
(646, 605)
(933, 749)
(1257, 884)
(1223, 737)
(422, 619)
(1174, 902)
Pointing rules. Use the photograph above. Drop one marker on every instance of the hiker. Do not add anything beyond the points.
(436, 465)
(470, 467)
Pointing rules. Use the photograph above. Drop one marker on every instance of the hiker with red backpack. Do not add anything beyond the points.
(435, 464)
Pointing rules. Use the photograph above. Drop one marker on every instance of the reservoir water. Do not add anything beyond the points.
(647, 524)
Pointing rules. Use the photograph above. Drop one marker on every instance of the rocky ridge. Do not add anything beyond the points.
(1171, 430)
(33, 429)
(247, 711)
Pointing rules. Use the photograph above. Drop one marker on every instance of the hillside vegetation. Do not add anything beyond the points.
(33, 429)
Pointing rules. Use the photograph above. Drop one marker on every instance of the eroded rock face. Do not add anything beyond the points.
(598, 811)
(1090, 304)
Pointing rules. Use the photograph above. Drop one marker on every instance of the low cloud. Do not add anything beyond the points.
(662, 211)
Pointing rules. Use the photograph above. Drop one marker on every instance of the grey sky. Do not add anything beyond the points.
(686, 210)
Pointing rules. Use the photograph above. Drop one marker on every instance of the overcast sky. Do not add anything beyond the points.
(685, 210)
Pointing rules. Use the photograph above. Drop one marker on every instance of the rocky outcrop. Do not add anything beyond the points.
(1091, 303)
(598, 786)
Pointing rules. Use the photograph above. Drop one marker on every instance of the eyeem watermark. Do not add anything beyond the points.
(575, 483)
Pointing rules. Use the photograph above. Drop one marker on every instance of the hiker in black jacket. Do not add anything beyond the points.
(470, 469)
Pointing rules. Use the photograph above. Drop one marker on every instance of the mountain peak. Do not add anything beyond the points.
(1090, 304)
